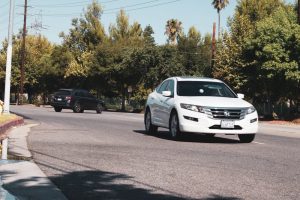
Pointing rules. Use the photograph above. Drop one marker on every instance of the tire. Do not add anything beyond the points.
(99, 108)
(57, 109)
(210, 135)
(175, 132)
(149, 127)
(247, 138)
(77, 108)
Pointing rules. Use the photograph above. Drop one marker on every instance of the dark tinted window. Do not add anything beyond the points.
(203, 88)
(79, 93)
(90, 95)
(63, 92)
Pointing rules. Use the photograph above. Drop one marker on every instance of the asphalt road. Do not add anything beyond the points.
(109, 156)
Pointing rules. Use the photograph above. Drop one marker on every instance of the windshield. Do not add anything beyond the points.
(203, 88)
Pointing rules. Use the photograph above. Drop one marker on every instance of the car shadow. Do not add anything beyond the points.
(190, 137)
(67, 111)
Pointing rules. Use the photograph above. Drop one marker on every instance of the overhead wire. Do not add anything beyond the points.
(71, 4)
(145, 7)
(119, 8)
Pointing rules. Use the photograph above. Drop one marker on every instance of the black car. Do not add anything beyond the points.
(76, 99)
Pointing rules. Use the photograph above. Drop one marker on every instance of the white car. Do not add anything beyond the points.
(200, 105)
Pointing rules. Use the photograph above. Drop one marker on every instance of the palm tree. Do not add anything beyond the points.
(219, 5)
(173, 31)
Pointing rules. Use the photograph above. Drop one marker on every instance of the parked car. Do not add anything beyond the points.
(76, 99)
(200, 105)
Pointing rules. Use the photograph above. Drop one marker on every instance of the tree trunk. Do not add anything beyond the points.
(123, 98)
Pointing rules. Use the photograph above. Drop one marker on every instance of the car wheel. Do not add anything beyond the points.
(150, 128)
(57, 109)
(99, 108)
(174, 126)
(77, 108)
(210, 135)
(246, 138)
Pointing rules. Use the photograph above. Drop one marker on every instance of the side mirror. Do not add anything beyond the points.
(167, 93)
(241, 96)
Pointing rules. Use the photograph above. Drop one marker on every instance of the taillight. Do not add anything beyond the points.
(68, 97)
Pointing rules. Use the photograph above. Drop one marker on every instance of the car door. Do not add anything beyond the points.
(79, 98)
(156, 103)
(92, 101)
(167, 103)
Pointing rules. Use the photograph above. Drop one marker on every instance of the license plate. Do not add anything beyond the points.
(227, 124)
(59, 99)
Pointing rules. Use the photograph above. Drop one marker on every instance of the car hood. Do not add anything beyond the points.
(222, 102)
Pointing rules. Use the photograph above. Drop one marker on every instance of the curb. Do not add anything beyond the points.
(7, 125)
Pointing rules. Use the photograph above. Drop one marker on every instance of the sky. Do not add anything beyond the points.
(55, 16)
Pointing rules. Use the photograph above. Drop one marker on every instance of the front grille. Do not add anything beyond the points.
(236, 127)
(225, 113)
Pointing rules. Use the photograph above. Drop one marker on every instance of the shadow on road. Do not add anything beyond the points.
(104, 185)
(190, 137)
(90, 185)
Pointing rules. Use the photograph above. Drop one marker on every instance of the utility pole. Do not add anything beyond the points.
(8, 59)
(8, 73)
(213, 48)
(23, 55)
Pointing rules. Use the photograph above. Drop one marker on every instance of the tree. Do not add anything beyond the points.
(194, 53)
(219, 5)
(86, 34)
(37, 52)
(125, 38)
(275, 40)
(173, 31)
(124, 33)
(298, 11)
(147, 34)
(259, 56)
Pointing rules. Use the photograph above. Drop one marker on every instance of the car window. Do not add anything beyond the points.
(163, 87)
(79, 93)
(63, 92)
(203, 88)
(90, 95)
(171, 87)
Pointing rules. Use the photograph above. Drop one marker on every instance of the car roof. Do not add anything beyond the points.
(72, 89)
(192, 78)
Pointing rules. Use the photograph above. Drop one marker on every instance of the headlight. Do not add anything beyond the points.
(192, 107)
(250, 110)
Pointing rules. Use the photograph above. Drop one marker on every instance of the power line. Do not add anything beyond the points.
(71, 4)
(145, 7)
(127, 10)
(133, 5)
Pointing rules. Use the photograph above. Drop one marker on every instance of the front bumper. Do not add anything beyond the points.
(190, 121)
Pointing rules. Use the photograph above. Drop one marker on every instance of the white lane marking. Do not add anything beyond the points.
(258, 143)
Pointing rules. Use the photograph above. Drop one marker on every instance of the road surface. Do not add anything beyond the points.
(109, 156)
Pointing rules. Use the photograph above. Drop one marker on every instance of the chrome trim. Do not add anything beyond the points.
(225, 113)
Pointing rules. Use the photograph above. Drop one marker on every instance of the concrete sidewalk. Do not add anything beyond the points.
(23, 179)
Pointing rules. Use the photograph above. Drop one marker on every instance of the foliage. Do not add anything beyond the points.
(220, 4)
(173, 31)
(260, 54)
